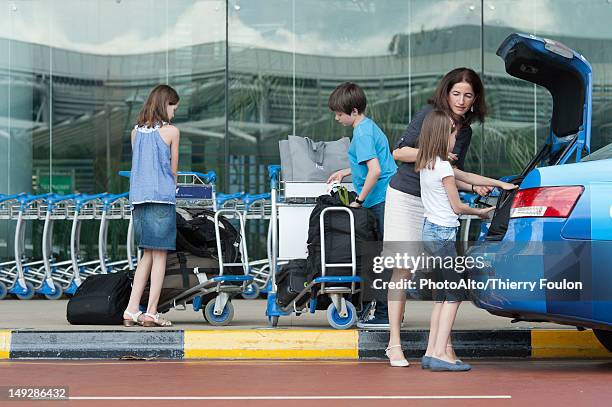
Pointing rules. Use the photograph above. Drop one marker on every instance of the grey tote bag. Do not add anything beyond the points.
(305, 160)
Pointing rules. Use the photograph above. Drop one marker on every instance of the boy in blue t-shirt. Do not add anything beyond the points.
(372, 164)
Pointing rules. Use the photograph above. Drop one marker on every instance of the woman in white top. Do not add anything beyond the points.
(442, 208)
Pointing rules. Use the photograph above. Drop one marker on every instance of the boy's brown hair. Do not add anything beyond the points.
(346, 97)
(154, 109)
(433, 140)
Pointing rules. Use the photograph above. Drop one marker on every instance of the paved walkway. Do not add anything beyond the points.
(42, 314)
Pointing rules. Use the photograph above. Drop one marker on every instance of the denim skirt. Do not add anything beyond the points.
(155, 226)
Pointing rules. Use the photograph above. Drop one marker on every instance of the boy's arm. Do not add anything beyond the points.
(339, 175)
(371, 179)
(459, 207)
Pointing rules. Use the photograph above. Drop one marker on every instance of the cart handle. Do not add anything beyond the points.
(10, 197)
(251, 199)
(222, 198)
(274, 175)
(109, 199)
(80, 201)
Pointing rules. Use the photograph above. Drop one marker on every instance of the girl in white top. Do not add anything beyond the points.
(442, 208)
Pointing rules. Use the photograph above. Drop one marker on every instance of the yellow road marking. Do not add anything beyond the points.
(269, 344)
(565, 343)
(5, 344)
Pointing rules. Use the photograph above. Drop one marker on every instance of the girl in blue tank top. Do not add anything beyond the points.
(155, 146)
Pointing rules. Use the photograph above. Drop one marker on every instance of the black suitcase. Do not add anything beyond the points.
(290, 281)
(100, 300)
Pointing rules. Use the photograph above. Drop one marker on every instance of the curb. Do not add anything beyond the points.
(282, 344)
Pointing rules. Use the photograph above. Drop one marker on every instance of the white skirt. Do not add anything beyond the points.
(403, 217)
(403, 224)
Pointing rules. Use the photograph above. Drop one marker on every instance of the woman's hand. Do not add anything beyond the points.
(453, 157)
(483, 213)
(338, 176)
(506, 186)
(354, 205)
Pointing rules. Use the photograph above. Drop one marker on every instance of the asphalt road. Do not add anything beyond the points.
(302, 383)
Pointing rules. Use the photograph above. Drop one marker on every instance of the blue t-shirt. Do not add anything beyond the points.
(370, 142)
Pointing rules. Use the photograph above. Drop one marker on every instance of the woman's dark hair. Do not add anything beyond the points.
(346, 97)
(154, 109)
(440, 97)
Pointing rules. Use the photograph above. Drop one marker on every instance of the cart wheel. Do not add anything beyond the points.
(219, 320)
(3, 290)
(336, 321)
(251, 292)
(29, 294)
(58, 292)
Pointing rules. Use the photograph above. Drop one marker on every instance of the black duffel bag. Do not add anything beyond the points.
(291, 280)
(100, 300)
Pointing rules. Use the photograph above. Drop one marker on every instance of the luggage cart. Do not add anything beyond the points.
(26, 277)
(114, 206)
(289, 218)
(258, 207)
(6, 280)
(85, 208)
(197, 190)
(219, 310)
(58, 207)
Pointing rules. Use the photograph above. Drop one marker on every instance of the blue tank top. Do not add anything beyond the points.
(151, 177)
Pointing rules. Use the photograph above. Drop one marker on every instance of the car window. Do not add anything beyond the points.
(601, 154)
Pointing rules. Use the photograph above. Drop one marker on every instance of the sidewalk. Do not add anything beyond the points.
(48, 315)
(38, 329)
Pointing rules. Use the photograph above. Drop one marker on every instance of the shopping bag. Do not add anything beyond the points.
(305, 160)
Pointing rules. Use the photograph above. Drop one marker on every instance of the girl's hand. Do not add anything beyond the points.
(483, 213)
(482, 190)
(507, 186)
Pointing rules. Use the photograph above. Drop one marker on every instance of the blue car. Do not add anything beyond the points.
(546, 254)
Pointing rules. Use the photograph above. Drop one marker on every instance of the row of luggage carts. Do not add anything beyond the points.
(51, 277)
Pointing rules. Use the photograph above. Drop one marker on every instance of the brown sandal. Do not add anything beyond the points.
(157, 321)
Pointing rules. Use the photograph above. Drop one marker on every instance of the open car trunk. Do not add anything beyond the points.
(567, 76)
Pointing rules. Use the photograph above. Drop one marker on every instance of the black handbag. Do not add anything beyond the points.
(100, 300)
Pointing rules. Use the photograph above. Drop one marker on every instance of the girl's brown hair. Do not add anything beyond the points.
(154, 109)
(433, 140)
(439, 100)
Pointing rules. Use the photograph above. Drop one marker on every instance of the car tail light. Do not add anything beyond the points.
(547, 202)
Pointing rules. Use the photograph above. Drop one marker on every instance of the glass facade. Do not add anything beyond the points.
(73, 75)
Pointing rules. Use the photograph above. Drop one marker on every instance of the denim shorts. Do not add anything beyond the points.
(439, 242)
(155, 226)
